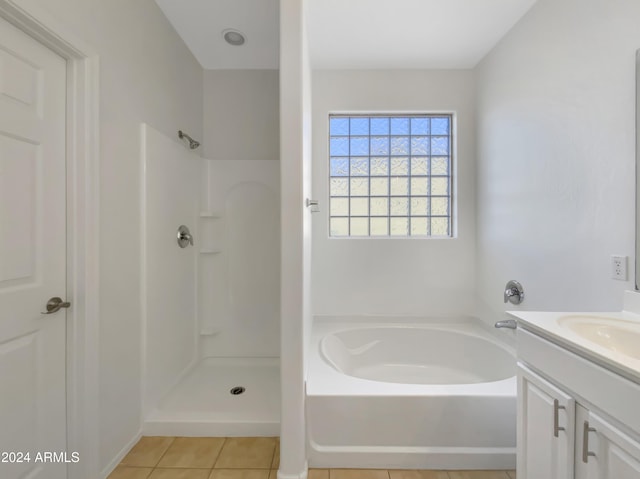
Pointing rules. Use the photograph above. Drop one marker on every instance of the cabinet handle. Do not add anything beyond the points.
(556, 420)
(585, 442)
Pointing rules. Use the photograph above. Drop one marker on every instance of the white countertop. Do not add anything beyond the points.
(546, 324)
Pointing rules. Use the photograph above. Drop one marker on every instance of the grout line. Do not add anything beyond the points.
(172, 468)
(219, 453)
(273, 457)
(233, 468)
(173, 439)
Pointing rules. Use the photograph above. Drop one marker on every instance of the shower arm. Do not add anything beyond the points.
(193, 144)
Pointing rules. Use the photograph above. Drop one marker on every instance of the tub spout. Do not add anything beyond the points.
(507, 323)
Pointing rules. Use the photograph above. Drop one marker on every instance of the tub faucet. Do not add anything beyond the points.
(507, 323)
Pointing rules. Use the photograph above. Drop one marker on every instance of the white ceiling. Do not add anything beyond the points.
(200, 24)
(349, 34)
(438, 34)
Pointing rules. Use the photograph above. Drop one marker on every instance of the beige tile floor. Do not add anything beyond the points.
(246, 458)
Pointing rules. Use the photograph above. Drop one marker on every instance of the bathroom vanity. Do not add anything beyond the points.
(579, 395)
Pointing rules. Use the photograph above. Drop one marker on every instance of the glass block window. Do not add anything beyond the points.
(390, 175)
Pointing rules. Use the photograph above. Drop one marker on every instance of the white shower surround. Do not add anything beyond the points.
(458, 423)
(168, 271)
(221, 327)
(201, 404)
(239, 285)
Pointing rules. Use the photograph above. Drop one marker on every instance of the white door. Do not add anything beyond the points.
(32, 256)
(605, 451)
(545, 429)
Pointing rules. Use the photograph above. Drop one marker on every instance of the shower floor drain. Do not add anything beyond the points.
(237, 390)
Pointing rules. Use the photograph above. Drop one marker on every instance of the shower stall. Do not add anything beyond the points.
(211, 309)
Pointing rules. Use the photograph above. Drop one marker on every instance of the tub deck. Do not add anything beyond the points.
(361, 423)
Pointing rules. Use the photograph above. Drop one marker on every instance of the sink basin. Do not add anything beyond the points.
(617, 335)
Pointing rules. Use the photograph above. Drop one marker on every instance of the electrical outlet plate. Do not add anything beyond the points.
(619, 267)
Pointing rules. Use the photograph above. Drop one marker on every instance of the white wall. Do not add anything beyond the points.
(146, 75)
(295, 242)
(556, 181)
(385, 275)
(241, 111)
(307, 189)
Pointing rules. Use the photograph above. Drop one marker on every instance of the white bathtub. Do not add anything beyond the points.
(410, 393)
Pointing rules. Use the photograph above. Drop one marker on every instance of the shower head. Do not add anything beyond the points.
(193, 144)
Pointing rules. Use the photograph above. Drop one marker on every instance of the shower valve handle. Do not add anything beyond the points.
(514, 293)
(184, 237)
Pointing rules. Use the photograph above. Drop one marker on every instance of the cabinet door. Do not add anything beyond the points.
(545, 429)
(605, 451)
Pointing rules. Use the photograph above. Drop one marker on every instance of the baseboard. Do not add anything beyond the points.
(156, 426)
(123, 452)
(300, 475)
(446, 458)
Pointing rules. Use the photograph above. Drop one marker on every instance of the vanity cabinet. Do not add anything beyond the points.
(603, 451)
(545, 429)
(559, 438)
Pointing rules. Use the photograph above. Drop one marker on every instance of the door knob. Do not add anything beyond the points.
(55, 304)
